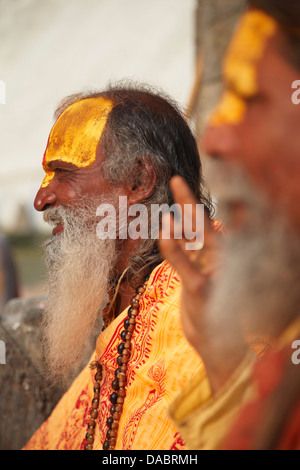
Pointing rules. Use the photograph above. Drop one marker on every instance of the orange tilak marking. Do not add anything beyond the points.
(246, 49)
(75, 135)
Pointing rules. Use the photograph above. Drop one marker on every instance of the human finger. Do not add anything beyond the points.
(183, 195)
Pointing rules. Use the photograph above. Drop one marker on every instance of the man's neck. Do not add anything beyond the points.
(125, 294)
(125, 291)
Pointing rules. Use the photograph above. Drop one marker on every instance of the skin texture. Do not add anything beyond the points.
(70, 183)
(261, 138)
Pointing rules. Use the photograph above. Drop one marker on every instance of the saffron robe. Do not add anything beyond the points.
(268, 375)
(231, 418)
(161, 363)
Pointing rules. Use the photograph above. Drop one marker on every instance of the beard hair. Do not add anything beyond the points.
(80, 268)
(257, 288)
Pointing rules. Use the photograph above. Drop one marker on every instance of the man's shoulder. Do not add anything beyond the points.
(163, 273)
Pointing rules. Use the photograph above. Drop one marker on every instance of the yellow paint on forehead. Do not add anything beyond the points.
(75, 135)
(246, 49)
(48, 178)
(230, 109)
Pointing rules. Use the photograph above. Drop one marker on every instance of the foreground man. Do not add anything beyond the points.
(122, 142)
(254, 137)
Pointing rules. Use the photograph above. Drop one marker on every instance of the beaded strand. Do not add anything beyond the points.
(119, 383)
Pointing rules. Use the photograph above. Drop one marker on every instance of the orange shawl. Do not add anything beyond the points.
(160, 365)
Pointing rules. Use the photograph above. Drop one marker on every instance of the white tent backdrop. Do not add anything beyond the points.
(52, 48)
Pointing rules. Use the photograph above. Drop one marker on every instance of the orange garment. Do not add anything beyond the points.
(268, 375)
(160, 365)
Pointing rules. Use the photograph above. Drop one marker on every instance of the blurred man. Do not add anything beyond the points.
(250, 284)
(122, 143)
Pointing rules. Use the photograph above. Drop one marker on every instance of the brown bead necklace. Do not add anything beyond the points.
(119, 383)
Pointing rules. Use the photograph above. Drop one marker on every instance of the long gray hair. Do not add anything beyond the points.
(146, 125)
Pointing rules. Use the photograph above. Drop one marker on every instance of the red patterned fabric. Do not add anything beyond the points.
(160, 365)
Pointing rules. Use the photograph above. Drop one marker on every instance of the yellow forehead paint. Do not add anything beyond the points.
(48, 178)
(246, 49)
(75, 135)
(230, 110)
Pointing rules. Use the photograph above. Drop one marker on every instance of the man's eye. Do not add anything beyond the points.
(253, 98)
(60, 170)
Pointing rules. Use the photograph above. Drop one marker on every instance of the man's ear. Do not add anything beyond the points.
(143, 181)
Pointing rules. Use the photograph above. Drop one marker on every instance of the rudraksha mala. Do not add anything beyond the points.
(119, 383)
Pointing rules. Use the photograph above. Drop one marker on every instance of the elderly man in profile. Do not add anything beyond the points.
(125, 142)
(250, 284)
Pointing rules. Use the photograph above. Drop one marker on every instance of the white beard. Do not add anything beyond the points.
(80, 268)
(258, 285)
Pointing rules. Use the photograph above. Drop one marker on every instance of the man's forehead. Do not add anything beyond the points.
(75, 135)
(241, 62)
(246, 50)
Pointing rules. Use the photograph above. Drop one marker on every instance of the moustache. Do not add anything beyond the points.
(53, 216)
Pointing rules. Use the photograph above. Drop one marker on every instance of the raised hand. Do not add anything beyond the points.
(199, 269)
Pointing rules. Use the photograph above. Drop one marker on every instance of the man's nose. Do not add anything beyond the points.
(220, 141)
(45, 197)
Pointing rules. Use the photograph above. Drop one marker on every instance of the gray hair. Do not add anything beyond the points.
(146, 126)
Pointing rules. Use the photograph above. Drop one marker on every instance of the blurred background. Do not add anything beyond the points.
(50, 49)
